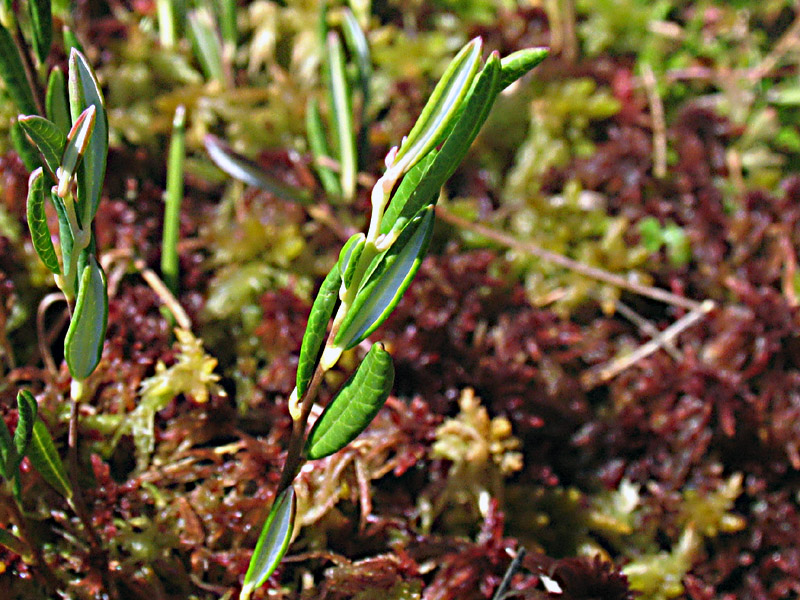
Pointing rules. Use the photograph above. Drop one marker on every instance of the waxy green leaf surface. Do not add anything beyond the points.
(354, 407)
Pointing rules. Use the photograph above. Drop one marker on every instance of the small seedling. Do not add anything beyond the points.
(373, 272)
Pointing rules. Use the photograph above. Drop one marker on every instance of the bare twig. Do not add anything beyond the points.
(790, 39)
(603, 373)
(163, 293)
(647, 327)
(657, 119)
(43, 337)
(568, 263)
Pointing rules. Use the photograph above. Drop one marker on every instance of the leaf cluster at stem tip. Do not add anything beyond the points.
(374, 270)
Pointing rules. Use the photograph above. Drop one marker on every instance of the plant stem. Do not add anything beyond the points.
(568, 263)
(173, 197)
(77, 502)
(294, 458)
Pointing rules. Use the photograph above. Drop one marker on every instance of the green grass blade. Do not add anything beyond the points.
(517, 64)
(246, 171)
(12, 542)
(387, 282)
(475, 111)
(359, 49)
(71, 41)
(84, 91)
(8, 452)
(442, 106)
(315, 132)
(37, 222)
(321, 312)
(27, 409)
(173, 198)
(44, 458)
(13, 74)
(55, 102)
(272, 543)
(354, 407)
(342, 106)
(207, 44)
(41, 27)
(47, 138)
(84, 342)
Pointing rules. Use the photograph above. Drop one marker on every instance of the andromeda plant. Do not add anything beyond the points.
(373, 272)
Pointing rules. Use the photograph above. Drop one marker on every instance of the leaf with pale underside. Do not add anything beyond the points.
(386, 282)
(84, 91)
(272, 543)
(442, 106)
(246, 171)
(476, 107)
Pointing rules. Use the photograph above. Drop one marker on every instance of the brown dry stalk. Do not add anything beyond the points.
(566, 262)
(657, 121)
(602, 373)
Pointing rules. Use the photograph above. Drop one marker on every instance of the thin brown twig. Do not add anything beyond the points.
(657, 121)
(43, 337)
(568, 263)
(648, 328)
(294, 457)
(597, 375)
(789, 39)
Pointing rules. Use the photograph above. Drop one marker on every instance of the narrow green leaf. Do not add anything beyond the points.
(517, 64)
(78, 140)
(207, 44)
(55, 103)
(13, 74)
(359, 48)
(342, 105)
(84, 91)
(24, 148)
(12, 542)
(437, 115)
(8, 452)
(387, 282)
(27, 409)
(272, 543)
(321, 312)
(41, 27)
(354, 407)
(44, 458)
(173, 197)
(227, 22)
(37, 222)
(315, 131)
(349, 255)
(71, 41)
(476, 109)
(246, 171)
(84, 342)
(47, 138)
